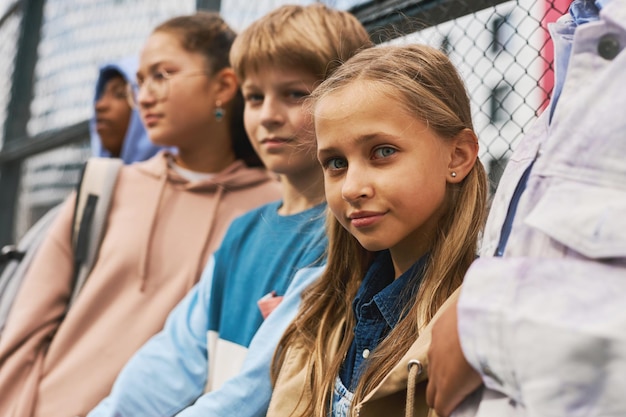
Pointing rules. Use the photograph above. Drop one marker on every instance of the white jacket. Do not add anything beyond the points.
(545, 324)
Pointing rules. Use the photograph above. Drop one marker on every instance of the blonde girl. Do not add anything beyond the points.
(407, 195)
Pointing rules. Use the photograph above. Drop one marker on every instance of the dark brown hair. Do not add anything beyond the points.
(208, 34)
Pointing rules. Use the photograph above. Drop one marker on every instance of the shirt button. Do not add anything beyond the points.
(366, 353)
(608, 47)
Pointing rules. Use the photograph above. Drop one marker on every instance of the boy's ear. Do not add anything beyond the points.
(226, 85)
(463, 157)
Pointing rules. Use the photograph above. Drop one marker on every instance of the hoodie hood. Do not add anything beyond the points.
(137, 145)
(234, 178)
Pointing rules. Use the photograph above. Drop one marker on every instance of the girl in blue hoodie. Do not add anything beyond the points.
(115, 128)
(116, 131)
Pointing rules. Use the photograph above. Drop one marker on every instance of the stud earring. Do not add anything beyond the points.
(219, 111)
(453, 174)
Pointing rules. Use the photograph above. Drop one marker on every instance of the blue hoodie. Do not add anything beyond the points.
(137, 145)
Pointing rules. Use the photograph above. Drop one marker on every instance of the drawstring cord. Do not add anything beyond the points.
(415, 370)
(143, 264)
(201, 261)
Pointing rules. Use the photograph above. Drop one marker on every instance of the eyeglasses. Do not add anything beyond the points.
(156, 84)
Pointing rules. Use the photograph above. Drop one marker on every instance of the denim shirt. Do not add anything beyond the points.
(378, 306)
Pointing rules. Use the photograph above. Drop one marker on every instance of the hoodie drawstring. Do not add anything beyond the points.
(143, 263)
(237, 177)
(201, 261)
(415, 370)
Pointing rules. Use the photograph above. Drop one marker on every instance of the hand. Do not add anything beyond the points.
(450, 377)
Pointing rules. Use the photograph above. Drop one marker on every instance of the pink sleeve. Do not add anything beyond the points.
(38, 309)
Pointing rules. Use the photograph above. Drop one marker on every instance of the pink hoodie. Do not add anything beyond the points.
(161, 230)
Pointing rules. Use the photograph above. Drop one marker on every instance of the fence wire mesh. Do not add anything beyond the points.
(9, 32)
(504, 55)
(240, 13)
(503, 52)
(78, 36)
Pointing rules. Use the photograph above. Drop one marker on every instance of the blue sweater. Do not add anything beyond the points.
(205, 339)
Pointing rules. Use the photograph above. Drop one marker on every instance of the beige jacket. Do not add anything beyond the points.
(161, 230)
(387, 400)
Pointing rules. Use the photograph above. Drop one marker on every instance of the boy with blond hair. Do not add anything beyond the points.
(276, 249)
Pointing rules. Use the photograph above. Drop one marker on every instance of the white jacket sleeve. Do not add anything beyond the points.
(548, 333)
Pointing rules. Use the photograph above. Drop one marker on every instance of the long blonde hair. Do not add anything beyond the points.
(425, 81)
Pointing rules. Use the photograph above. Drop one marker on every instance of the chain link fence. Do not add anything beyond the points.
(10, 19)
(502, 50)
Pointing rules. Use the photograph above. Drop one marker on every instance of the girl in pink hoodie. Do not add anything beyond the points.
(167, 215)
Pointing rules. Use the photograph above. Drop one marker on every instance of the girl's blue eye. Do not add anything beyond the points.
(335, 164)
(253, 98)
(298, 95)
(384, 152)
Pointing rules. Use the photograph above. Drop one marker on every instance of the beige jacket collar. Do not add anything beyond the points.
(388, 399)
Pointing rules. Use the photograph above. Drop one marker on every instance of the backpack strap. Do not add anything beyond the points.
(93, 201)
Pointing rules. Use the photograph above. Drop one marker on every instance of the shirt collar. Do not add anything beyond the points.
(562, 33)
(600, 4)
(584, 11)
(390, 295)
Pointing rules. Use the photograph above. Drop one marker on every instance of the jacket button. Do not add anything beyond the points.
(608, 47)
(366, 353)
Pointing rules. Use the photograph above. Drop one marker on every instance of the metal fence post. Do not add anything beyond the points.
(18, 110)
(212, 5)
